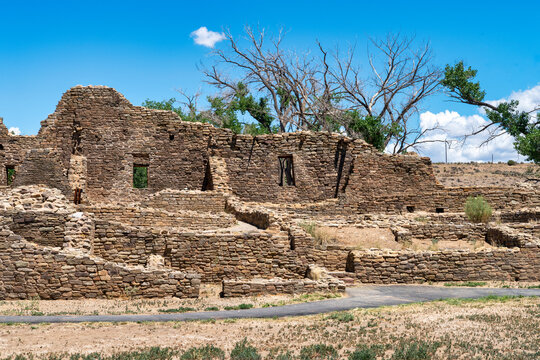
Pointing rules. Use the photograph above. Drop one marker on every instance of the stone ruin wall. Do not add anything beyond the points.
(284, 250)
(196, 172)
(96, 136)
(213, 255)
(391, 267)
(30, 270)
(136, 216)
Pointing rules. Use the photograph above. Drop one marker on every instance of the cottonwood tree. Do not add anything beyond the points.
(504, 117)
(326, 91)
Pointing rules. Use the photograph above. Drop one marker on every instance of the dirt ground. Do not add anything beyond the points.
(485, 174)
(367, 238)
(495, 329)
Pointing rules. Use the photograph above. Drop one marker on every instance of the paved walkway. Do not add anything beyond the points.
(359, 297)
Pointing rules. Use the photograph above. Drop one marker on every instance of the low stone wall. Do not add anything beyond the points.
(502, 235)
(130, 245)
(156, 218)
(389, 267)
(254, 215)
(41, 227)
(528, 228)
(439, 231)
(28, 270)
(520, 216)
(214, 255)
(257, 287)
(179, 200)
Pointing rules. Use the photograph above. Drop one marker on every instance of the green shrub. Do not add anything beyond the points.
(477, 209)
(341, 316)
(364, 353)
(276, 354)
(318, 352)
(415, 351)
(239, 307)
(244, 351)
(153, 353)
(181, 309)
(320, 236)
(203, 353)
(511, 162)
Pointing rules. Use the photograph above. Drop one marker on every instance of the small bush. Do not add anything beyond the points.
(276, 354)
(477, 209)
(239, 307)
(153, 353)
(181, 309)
(318, 352)
(211, 308)
(203, 353)
(415, 351)
(244, 351)
(511, 162)
(341, 316)
(363, 353)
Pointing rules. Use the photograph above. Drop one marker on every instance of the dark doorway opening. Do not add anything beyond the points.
(286, 171)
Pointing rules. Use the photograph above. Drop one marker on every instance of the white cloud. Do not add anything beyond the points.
(452, 128)
(203, 36)
(14, 131)
(528, 99)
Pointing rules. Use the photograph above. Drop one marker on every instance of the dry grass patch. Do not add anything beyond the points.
(209, 301)
(492, 328)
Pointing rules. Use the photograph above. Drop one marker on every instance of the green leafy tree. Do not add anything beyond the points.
(223, 113)
(257, 109)
(370, 128)
(169, 104)
(505, 116)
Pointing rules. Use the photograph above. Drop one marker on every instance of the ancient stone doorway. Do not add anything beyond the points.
(286, 171)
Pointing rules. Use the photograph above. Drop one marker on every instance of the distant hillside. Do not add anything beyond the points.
(486, 174)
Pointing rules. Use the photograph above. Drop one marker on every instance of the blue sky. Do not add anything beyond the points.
(144, 49)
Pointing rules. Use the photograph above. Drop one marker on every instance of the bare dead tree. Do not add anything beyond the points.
(401, 78)
(296, 85)
(319, 92)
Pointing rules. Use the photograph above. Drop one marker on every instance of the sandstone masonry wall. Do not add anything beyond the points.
(181, 200)
(28, 270)
(95, 137)
(137, 216)
(212, 254)
(257, 287)
(390, 267)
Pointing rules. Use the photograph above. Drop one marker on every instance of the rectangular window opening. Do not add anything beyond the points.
(10, 174)
(140, 176)
(286, 171)
(439, 210)
(410, 208)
